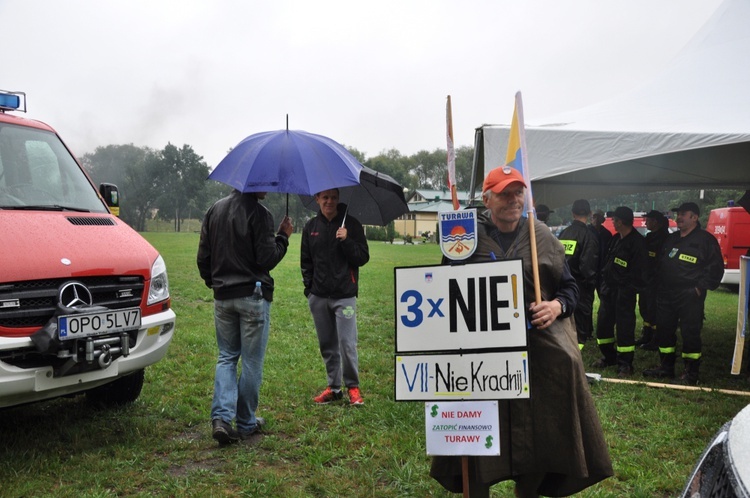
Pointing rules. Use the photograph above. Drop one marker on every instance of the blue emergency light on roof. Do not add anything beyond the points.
(11, 101)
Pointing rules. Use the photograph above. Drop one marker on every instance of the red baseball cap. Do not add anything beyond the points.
(501, 177)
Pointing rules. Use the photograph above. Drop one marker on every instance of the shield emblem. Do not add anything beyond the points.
(458, 233)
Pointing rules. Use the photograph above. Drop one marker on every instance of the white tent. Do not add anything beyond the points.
(685, 128)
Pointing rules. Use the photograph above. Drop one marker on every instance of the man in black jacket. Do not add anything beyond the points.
(605, 237)
(658, 231)
(238, 248)
(622, 276)
(691, 264)
(543, 212)
(582, 254)
(333, 248)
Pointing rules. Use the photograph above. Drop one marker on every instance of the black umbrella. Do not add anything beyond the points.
(745, 201)
(377, 200)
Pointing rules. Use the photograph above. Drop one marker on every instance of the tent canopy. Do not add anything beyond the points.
(686, 128)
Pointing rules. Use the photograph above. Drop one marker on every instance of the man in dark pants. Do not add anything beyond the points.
(658, 231)
(622, 276)
(605, 237)
(691, 264)
(582, 254)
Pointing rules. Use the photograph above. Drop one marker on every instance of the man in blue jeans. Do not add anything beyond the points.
(238, 248)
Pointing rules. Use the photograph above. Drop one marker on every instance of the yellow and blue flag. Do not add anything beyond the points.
(516, 156)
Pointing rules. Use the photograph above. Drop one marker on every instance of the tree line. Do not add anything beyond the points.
(171, 184)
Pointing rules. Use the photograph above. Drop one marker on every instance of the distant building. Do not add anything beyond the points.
(424, 206)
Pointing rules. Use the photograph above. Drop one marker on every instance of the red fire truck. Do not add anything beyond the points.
(84, 299)
(731, 227)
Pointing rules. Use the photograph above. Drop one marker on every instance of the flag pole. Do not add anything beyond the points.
(742, 309)
(529, 199)
(451, 154)
(287, 195)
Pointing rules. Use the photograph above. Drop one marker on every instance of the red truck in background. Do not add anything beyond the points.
(731, 227)
(84, 299)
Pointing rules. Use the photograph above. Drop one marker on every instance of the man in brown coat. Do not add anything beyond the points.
(552, 443)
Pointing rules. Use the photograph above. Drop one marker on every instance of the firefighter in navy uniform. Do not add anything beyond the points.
(582, 254)
(605, 237)
(690, 265)
(622, 277)
(658, 231)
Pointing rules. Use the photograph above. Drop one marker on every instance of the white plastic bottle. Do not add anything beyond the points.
(257, 308)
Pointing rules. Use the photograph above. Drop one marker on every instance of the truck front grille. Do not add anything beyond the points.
(32, 303)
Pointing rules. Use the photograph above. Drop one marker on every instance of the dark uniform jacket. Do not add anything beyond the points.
(654, 243)
(625, 264)
(238, 247)
(605, 237)
(330, 267)
(581, 252)
(691, 261)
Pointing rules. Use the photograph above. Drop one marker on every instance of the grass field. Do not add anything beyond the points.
(161, 445)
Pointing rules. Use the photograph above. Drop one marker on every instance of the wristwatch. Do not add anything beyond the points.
(562, 306)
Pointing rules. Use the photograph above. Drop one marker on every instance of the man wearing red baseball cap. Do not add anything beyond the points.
(545, 450)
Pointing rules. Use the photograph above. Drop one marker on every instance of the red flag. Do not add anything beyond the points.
(451, 154)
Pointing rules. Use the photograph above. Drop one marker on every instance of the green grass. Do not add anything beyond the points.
(161, 445)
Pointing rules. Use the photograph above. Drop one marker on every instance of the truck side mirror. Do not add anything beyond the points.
(111, 196)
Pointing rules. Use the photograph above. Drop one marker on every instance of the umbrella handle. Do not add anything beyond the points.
(344, 220)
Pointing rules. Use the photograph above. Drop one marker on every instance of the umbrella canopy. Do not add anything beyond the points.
(745, 201)
(378, 199)
(292, 162)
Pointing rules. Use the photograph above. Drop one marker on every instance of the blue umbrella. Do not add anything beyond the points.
(292, 162)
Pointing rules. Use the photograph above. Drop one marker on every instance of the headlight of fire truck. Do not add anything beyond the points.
(158, 289)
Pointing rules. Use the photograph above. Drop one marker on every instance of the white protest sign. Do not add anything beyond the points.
(481, 376)
(460, 307)
(468, 428)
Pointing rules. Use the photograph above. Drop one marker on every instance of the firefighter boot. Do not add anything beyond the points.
(652, 344)
(647, 335)
(690, 377)
(665, 370)
(610, 356)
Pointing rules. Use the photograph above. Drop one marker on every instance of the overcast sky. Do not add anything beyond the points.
(373, 75)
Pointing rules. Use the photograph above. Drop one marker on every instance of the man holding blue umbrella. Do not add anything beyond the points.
(238, 248)
(333, 248)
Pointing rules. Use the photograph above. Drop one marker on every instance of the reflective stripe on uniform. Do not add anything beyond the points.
(691, 356)
(570, 246)
(689, 259)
